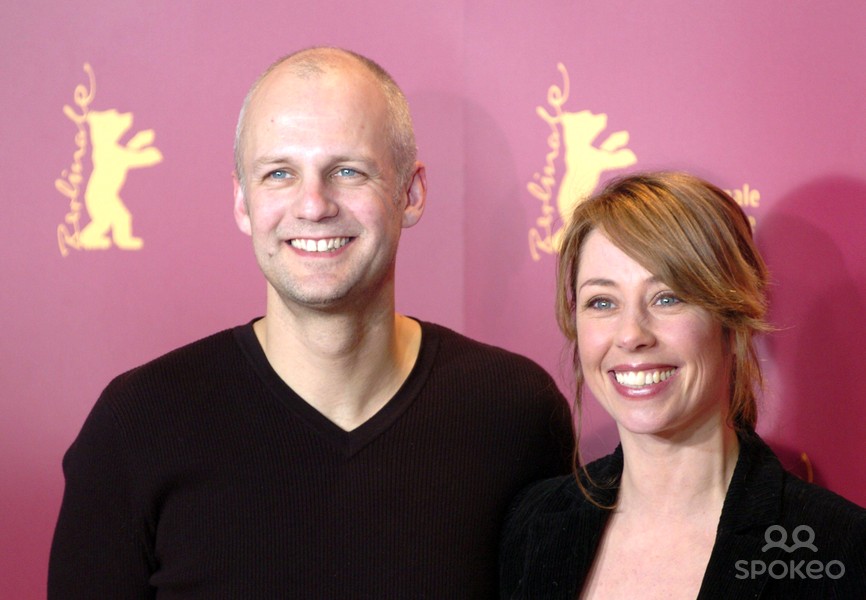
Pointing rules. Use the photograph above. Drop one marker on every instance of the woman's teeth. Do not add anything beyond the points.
(641, 378)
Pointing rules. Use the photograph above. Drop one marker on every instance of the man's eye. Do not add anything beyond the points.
(347, 172)
(278, 174)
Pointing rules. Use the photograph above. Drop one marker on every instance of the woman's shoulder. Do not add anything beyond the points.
(548, 496)
(807, 503)
(800, 500)
(825, 532)
(551, 530)
(564, 494)
(814, 522)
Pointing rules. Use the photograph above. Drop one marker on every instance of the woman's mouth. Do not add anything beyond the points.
(639, 379)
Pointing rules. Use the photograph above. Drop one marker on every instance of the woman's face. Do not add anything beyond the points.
(658, 365)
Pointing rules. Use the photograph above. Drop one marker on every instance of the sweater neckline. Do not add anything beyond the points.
(351, 442)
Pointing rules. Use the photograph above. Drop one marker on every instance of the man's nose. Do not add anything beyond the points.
(315, 202)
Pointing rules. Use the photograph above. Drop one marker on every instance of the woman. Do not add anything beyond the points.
(661, 290)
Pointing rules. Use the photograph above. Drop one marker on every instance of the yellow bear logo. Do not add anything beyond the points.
(111, 163)
(572, 135)
(585, 162)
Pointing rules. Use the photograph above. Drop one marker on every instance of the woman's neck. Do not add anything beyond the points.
(681, 477)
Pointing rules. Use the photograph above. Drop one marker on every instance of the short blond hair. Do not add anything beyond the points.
(313, 61)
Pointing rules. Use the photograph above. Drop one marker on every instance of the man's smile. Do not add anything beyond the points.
(320, 245)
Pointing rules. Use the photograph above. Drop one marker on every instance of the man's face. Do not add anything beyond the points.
(320, 198)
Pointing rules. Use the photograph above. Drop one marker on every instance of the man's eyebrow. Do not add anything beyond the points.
(278, 159)
(269, 160)
(261, 165)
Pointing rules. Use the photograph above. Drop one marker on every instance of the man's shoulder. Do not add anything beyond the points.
(510, 385)
(457, 348)
(195, 363)
(172, 393)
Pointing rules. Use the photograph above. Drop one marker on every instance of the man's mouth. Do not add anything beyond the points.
(641, 378)
(321, 245)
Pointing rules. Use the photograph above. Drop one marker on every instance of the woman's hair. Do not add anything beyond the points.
(697, 240)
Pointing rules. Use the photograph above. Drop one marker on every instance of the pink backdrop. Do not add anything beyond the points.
(765, 99)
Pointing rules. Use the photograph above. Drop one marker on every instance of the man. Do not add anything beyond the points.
(332, 448)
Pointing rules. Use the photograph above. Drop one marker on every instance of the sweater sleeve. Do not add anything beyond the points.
(517, 544)
(512, 551)
(99, 548)
(561, 433)
(852, 583)
(841, 529)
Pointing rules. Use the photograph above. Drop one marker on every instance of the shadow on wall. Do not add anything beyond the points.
(509, 296)
(814, 242)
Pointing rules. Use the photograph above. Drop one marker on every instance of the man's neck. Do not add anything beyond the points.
(345, 365)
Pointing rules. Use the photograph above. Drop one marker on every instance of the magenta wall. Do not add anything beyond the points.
(765, 99)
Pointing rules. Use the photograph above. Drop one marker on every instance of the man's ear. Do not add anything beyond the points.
(241, 212)
(416, 195)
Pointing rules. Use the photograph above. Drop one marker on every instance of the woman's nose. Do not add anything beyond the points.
(635, 330)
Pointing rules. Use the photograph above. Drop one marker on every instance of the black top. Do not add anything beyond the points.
(202, 475)
(552, 534)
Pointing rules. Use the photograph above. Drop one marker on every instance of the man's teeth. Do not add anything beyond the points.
(639, 378)
(328, 245)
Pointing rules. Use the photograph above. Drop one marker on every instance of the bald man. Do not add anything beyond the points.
(332, 448)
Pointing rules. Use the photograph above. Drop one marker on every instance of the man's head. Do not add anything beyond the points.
(321, 184)
(314, 62)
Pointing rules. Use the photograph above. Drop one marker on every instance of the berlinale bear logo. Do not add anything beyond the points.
(576, 134)
(110, 221)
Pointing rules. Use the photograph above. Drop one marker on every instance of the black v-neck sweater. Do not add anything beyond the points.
(202, 475)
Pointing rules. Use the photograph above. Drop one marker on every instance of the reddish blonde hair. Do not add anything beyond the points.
(696, 239)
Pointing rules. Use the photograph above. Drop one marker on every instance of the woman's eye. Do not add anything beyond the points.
(600, 303)
(667, 300)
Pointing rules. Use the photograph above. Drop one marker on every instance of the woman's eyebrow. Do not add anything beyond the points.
(603, 282)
